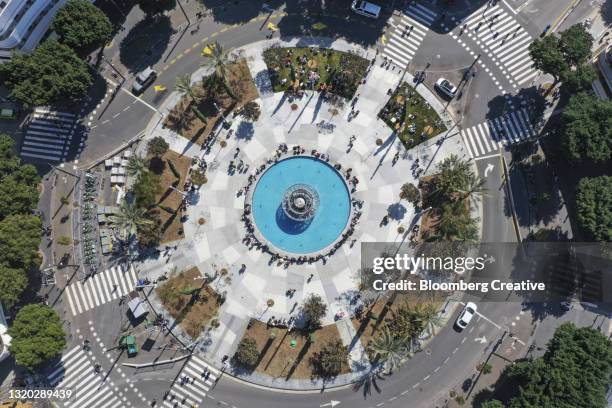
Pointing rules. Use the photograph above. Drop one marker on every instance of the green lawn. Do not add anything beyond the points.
(338, 72)
(411, 116)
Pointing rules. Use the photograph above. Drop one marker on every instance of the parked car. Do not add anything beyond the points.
(365, 8)
(8, 111)
(466, 315)
(449, 90)
(143, 80)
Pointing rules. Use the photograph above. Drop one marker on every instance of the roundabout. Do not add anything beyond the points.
(315, 181)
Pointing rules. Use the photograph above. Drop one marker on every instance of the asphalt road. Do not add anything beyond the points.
(452, 356)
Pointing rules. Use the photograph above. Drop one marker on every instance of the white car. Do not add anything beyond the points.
(143, 79)
(444, 86)
(365, 8)
(466, 315)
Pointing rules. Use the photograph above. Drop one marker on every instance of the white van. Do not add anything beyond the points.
(365, 8)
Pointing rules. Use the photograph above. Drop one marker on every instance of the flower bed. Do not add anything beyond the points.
(411, 116)
(299, 69)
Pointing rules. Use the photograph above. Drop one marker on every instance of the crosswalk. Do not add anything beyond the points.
(76, 372)
(194, 390)
(504, 40)
(490, 136)
(408, 34)
(49, 135)
(101, 288)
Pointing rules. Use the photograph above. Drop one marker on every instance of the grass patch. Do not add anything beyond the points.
(191, 304)
(182, 119)
(411, 116)
(302, 68)
(278, 359)
(169, 200)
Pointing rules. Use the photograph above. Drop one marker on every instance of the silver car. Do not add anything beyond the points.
(448, 89)
(144, 79)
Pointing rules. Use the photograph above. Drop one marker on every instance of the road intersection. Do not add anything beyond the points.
(495, 112)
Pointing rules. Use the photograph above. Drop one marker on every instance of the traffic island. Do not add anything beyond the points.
(290, 354)
(190, 301)
(199, 110)
(411, 116)
(296, 69)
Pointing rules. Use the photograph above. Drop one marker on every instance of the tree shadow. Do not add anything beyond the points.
(397, 211)
(245, 131)
(146, 43)
(234, 11)
(368, 382)
(606, 12)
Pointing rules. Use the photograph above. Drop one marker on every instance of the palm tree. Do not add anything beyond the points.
(185, 88)
(392, 350)
(456, 224)
(473, 190)
(428, 315)
(219, 59)
(130, 217)
(137, 165)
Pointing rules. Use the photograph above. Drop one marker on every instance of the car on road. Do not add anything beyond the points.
(466, 315)
(446, 87)
(143, 80)
(365, 8)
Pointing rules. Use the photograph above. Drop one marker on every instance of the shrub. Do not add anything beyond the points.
(247, 353)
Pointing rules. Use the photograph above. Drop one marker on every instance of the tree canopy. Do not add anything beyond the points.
(587, 122)
(573, 373)
(329, 361)
(157, 146)
(247, 353)
(81, 25)
(19, 240)
(594, 206)
(547, 56)
(314, 309)
(153, 7)
(559, 55)
(37, 335)
(18, 183)
(146, 188)
(52, 73)
(13, 282)
(576, 43)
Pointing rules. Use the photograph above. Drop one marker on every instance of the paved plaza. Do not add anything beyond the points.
(218, 243)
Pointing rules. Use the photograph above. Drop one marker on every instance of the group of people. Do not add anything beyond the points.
(252, 240)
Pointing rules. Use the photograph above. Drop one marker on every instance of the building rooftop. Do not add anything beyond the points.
(24, 23)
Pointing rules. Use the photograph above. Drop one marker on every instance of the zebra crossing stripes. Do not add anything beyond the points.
(496, 133)
(408, 34)
(194, 390)
(504, 40)
(49, 134)
(100, 289)
(76, 372)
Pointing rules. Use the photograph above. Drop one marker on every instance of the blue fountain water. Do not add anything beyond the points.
(301, 237)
